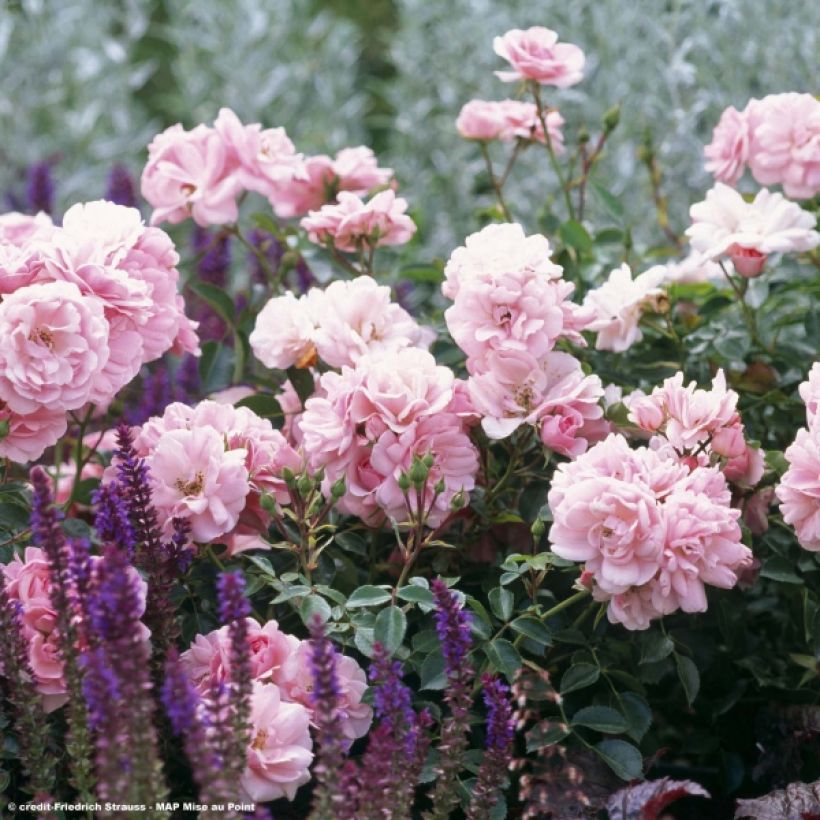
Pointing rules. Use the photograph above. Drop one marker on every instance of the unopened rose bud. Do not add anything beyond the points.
(611, 118)
(748, 262)
(289, 476)
(319, 476)
(538, 529)
(428, 460)
(404, 482)
(268, 503)
(583, 135)
(4, 428)
(729, 441)
(338, 488)
(459, 500)
(418, 473)
(439, 486)
(304, 485)
(646, 414)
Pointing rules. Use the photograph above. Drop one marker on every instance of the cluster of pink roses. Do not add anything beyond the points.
(202, 173)
(338, 325)
(510, 307)
(368, 424)
(211, 464)
(83, 307)
(535, 55)
(778, 137)
(280, 747)
(799, 488)
(726, 225)
(28, 582)
(651, 530)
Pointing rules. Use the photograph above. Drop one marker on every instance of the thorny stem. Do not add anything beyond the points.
(499, 194)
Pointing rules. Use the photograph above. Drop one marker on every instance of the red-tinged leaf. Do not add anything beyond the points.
(646, 801)
(795, 802)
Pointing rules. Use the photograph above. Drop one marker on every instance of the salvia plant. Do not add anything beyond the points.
(298, 520)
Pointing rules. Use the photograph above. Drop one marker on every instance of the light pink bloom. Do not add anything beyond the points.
(359, 318)
(21, 229)
(354, 169)
(799, 488)
(689, 416)
(285, 330)
(352, 223)
(207, 660)
(693, 269)
(536, 54)
(279, 752)
(19, 266)
(508, 120)
(396, 388)
(493, 252)
(266, 157)
(724, 224)
(191, 174)
(55, 345)
(295, 681)
(194, 477)
(29, 435)
(632, 609)
(728, 153)
(618, 304)
(785, 149)
(519, 309)
(747, 468)
(810, 393)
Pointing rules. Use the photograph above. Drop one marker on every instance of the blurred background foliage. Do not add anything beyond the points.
(88, 83)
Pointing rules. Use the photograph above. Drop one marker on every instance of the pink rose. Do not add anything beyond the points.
(354, 169)
(536, 54)
(508, 120)
(295, 681)
(618, 304)
(194, 477)
(727, 154)
(21, 229)
(785, 148)
(747, 468)
(493, 252)
(810, 393)
(279, 752)
(724, 224)
(799, 488)
(55, 345)
(352, 224)
(31, 434)
(207, 660)
(285, 330)
(191, 174)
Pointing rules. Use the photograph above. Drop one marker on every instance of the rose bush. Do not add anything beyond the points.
(556, 463)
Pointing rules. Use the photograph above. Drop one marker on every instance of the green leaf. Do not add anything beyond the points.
(609, 236)
(601, 718)
(533, 629)
(416, 595)
(428, 274)
(579, 676)
(622, 757)
(638, 715)
(390, 627)
(302, 382)
(263, 404)
(503, 657)
(545, 734)
(655, 647)
(780, 569)
(368, 595)
(217, 298)
(609, 201)
(689, 677)
(575, 235)
(433, 674)
(314, 605)
(501, 603)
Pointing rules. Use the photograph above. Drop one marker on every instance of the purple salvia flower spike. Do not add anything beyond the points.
(120, 186)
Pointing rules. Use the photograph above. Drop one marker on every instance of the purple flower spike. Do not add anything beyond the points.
(111, 518)
(120, 187)
(40, 188)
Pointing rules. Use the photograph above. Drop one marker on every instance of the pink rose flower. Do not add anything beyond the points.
(799, 488)
(194, 477)
(618, 304)
(508, 120)
(207, 660)
(191, 174)
(352, 223)
(728, 153)
(354, 169)
(31, 434)
(266, 157)
(633, 609)
(494, 251)
(285, 330)
(785, 149)
(690, 416)
(724, 224)
(747, 468)
(279, 752)
(295, 681)
(22, 229)
(19, 266)
(810, 393)
(536, 54)
(55, 344)
(359, 318)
